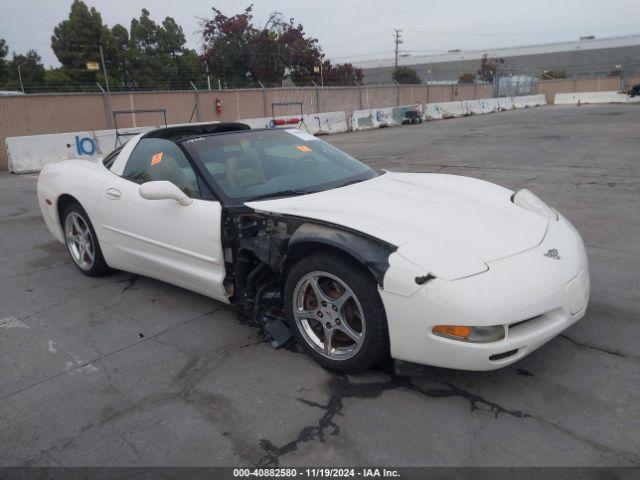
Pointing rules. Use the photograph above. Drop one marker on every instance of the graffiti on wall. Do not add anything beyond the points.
(86, 146)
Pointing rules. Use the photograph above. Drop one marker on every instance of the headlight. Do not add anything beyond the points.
(463, 333)
(527, 199)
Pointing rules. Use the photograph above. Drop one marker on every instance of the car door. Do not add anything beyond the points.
(162, 238)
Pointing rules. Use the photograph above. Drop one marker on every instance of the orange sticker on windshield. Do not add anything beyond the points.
(157, 158)
(304, 148)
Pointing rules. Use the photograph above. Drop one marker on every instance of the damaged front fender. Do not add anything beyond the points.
(372, 253)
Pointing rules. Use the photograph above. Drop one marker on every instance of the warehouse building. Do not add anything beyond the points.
(588, 57)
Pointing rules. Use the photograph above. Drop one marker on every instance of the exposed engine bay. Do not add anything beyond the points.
(259, 249)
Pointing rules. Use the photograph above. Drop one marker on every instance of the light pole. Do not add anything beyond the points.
(106, 81)
(104, 70)
(20, 77)
(316, 69)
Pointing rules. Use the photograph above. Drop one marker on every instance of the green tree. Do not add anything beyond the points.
(57, 80)
(554, 74)
(4, 68)
(28, 66)
(119, 65)
(188, 64)
(77, 40)
(341, 74)
(240, 54)
(157, 56)
(227, 42)
(406, 75)
(170, 38)
(467, 78)
(304, 55)
(144, 32)
(487, 71)
(31, 70)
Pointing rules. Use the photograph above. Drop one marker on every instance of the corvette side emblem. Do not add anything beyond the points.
(552, 253)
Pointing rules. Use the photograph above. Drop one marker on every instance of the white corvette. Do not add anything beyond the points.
(435, 269)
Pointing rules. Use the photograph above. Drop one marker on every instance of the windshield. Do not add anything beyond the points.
(268, 163)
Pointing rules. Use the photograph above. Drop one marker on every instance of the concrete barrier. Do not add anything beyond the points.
(526, 101)
(382, 117)
(31, 153)
(316, 124)
(593, 97)
(438, 111)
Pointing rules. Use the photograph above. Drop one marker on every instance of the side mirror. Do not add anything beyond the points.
(163, 190)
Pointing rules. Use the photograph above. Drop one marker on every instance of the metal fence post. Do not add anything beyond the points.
(107, 105)
(397, 84)
(264, 98)
(197, 101)
(317, 99)
(623, 80)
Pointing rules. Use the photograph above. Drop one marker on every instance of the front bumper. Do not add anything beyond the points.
(534, 295)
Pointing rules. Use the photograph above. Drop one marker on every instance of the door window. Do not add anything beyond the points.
(160, 159)
(110, 159)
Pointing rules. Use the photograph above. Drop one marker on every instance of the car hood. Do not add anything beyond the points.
(448, 225)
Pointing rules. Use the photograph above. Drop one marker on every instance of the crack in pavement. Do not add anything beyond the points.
(594, 347)
(341, 387)
(132, 282)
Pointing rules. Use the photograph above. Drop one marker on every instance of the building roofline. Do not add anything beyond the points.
(555, 47)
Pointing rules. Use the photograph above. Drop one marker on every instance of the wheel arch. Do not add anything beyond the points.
(62, 203)
(371, 253)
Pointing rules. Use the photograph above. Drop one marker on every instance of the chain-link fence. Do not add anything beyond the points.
(78, 112)
(70, 112)
(515, 85)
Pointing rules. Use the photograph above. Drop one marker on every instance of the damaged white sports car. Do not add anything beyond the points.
(435, 269)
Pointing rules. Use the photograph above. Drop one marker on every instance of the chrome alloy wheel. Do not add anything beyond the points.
(79, 241)
(329, 315)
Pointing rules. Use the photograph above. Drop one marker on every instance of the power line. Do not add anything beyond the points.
(502, 34)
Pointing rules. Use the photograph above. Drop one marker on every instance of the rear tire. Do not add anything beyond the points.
(82, 242)
(350, 313)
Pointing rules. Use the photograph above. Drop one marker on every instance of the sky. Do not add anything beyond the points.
(352, 31)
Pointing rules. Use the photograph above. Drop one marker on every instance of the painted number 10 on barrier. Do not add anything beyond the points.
(85, 145)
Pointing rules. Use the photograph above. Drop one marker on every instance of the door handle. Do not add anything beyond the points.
(113, 193)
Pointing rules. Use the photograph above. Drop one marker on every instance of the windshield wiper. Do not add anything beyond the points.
(281, 193)
(351, 182)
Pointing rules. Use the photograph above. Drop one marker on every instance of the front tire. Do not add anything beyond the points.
(82, 242)
(336, 313)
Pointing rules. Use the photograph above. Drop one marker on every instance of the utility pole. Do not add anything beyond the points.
(106, 81)
(397, 39)
(104, 70)
(20, 77)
